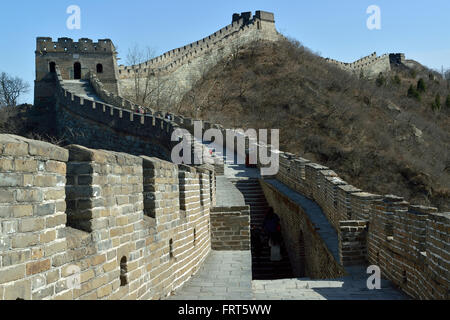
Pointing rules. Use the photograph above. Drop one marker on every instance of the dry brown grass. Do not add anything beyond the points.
(368, 134)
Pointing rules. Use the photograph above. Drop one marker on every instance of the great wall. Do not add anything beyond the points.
(371, 65)
(111, 207)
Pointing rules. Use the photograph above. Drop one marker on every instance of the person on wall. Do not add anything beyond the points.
(272, 227)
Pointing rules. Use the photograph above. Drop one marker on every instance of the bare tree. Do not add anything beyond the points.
(142, 73)
(11, 88)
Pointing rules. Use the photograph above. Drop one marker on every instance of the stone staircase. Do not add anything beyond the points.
(262, 267)
(81, 88)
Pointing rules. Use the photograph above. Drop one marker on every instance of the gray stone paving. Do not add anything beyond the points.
(227, 195)
(226, 275)
(81, 88)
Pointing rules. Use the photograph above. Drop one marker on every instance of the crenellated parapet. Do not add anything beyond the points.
(262, 23)
(79, 223)
(370, 65)
(68, 45)
(409, 243)
(146, 130)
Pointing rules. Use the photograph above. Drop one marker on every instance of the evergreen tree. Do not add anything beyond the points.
(396, 80)
(413, 93)
(421, 85)
(381, 80)
(436, 105)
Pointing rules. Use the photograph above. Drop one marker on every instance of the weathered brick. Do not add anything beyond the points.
(44, 209)
(31, 224)
(107, 267)
(48, 151)
(65, 295)
(25, 165)
(19, 290)
(54, 248)
(28, 195)
(7, 196)
(11, 180)
(54, 194)
(6, 165)
(56, 220)
(44, 293)
(24, 240)
(87, 275)
(45, 181)
(37, 253)
(98, 260)
(47, 236)
(52, 276)
(11, 258)
(38, 267)
(56, 167)
(15, 148)
(104, 291)
(20, 211)
(12, 273)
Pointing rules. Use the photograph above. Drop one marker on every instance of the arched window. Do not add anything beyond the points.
(77, 71)
(171, 248)
(99, 68)
(52, 67)
(123, 272)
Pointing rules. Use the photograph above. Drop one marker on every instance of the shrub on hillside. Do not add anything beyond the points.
(436, 105)
(421, 87)
(413, 93)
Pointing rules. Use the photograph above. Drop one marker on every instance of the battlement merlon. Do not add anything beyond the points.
(265, 16)
(246, 17)
(67, 45)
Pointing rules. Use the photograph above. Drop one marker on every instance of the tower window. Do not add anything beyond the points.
(52, 67)
(99, 68)
(123, 272)
(77, 71)
(171, 248)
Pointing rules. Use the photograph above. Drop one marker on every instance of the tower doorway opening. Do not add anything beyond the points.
(77, 71)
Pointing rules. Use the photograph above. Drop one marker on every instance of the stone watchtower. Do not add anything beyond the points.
(264, 20)
(74, 60)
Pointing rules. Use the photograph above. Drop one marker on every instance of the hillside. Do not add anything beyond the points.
(370, 132)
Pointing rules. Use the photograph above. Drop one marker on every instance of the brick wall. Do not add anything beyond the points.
(120, 246)
(353, 243)
(409, 243)
(32, 219)
(230, 228)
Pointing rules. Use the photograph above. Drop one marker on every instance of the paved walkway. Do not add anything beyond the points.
(227, 195)
(226, 275)
(81, 88)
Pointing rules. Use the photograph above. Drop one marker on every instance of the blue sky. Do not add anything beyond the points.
(335, 29)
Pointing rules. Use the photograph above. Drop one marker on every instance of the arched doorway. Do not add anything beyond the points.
(99, 68)
(77, 71)
(52, 67)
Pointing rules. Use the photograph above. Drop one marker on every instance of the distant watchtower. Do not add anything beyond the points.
(263, 19)
(74, 60)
